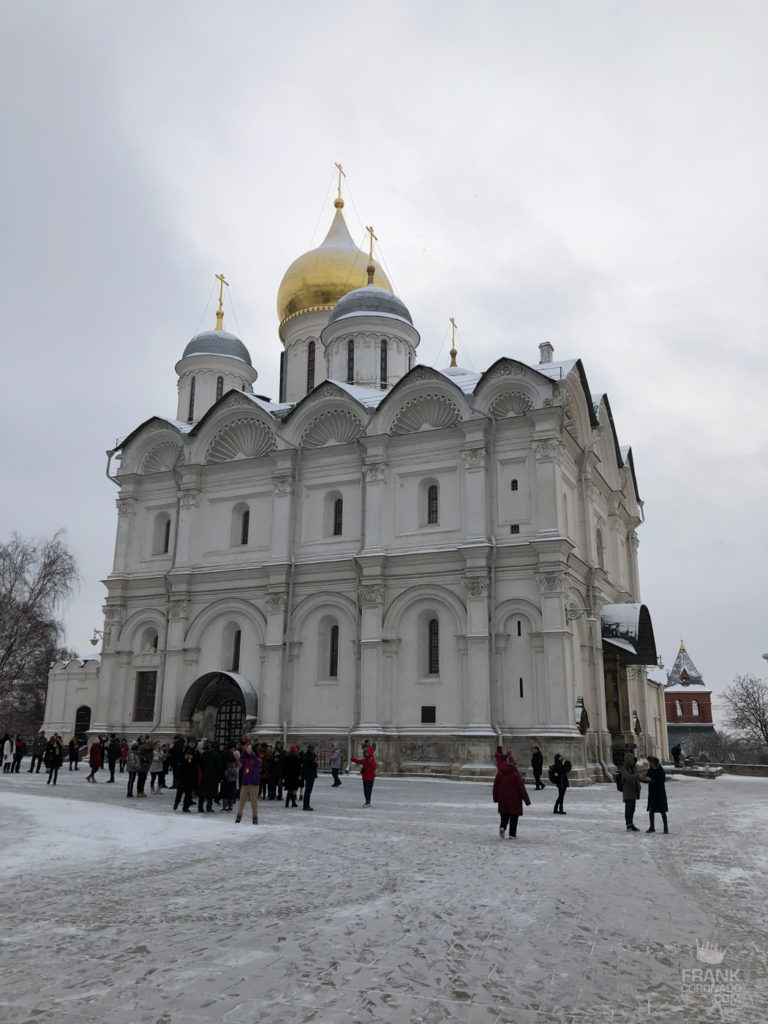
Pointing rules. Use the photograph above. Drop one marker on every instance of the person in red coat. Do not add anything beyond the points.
(369, 773)
(509, 793)
(94, 760)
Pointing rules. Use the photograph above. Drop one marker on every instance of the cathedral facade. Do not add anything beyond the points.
(434, 560)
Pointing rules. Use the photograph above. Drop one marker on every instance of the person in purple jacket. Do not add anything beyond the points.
(250, 778)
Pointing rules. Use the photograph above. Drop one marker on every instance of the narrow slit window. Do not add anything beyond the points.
(433, 647)
(521, 686)
(383, 365)
(432, 505)
(219, 387)
(519, 628)
(310, 366)
(245, 527)
(350, 362)
(191, 412)
(166, 536)
(338, 516)
(236, 641)
(333, 659)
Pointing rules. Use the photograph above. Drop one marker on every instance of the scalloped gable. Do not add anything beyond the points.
(393, 408)
(231, 398)
(153, 423)
(562, 370)
(323, 392)
(600, 402)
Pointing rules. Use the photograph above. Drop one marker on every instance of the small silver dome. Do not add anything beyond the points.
(217, 343)
(370, 299)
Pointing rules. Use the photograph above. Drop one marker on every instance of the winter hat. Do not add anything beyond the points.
(294, 749)
(335, 746)
(134, 745)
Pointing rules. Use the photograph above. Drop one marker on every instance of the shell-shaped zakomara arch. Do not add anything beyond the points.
(245, 438)
(163, 457)
(429, 410)
(510, 403)
(333, 426)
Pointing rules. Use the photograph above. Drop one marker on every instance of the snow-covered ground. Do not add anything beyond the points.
(413, 910)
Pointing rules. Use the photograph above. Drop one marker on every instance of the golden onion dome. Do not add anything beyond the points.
(319, 278)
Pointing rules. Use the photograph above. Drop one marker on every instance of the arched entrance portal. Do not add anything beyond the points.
(218, 705)
(82, 724)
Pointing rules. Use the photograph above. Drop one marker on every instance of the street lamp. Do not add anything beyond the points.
(97, 635)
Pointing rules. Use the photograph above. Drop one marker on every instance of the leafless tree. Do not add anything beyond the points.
(37, 577)
(746, 700)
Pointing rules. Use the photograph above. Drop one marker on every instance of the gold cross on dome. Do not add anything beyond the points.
(341, 175)
(453, 341)
(220, 311)
(374, 238)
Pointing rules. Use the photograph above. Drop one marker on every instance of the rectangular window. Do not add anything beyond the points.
(350, 362)
(513, 485)
(236, 640)
(144, 697)
(515, 528)
(521, 686)
(245, 527)
(428, 714)
(310, 366)
(166, 536)
(383, 367)
(338, 516)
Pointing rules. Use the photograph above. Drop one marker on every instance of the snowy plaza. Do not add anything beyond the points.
(411, 910)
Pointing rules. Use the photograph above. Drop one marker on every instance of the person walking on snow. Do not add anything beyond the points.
(630, 789)
(335, 762)
(657, 792)
(94, 760)
(39, 746)
(132, 767)
(309, 769)
(369, 773)
(559, 774)
(250, 767)
(509, 793)
(291, 776)
(74, 754)
(537, 766)
(54, 758)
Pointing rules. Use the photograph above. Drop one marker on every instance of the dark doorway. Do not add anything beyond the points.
(229, 722)
(82, 725)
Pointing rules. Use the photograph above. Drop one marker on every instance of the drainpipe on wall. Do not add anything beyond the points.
(291, 570)
(358, 618)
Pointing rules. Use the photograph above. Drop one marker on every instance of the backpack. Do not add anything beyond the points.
(552, 775)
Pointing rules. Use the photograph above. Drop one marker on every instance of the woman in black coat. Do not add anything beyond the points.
(309, 771)
(210, 776)
(657, 792)
(54, 758)
(291, 776)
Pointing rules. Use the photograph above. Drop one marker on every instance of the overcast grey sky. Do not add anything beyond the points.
(589, 173)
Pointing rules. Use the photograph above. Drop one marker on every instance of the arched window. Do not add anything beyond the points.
(191, 412)
(679, 708)
(240, 529)
(338, 514)
(219, 387)
(432, 504)
(245, 526)
(695, 708)
(236, 641)
(333, 653)
(599, 549)
(433, 647)
(149, 639)
(350, 361)
(161, 538)
(383, 365)
(310, 366)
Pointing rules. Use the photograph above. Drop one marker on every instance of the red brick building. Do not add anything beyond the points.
(688, 705)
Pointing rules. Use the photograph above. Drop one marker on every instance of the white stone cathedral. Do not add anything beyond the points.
(436, 561)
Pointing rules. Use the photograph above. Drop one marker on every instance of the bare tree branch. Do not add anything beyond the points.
(747, 702)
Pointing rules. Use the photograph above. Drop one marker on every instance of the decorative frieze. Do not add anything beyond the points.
(547, 448)
(371, 595)
(114, 614)
(277, 602)
(477, 586)
(549, 581)
(190, 498)
(126, 506)
(508, 369)
(179, 609)
(375, 472)
(283, 484)
(474, 458)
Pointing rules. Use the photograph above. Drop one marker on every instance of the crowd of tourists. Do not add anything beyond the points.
(240, 773)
